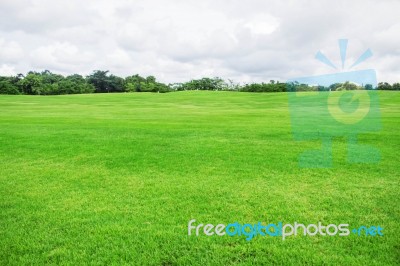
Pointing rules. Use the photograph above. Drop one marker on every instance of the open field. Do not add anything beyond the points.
(115, 178)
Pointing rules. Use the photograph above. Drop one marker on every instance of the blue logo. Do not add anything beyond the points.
(281, 230)
(343, 104)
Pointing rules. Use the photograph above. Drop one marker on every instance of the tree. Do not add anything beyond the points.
(348, 86)
(48, 83)
(100, 80)
(74, 84)
(212, 84)
(116, 84)
(132, 83)
(368, 87)
(232, 86)
(50, 78)
(137, 83)
(7, 86)
(31, 84)
(396, 86)
(384, 86)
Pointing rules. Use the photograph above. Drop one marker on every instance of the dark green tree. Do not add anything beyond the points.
(32, 83)
(8, 86)
(396, 86)
(368, 87)
(384, 86)
(100, 80)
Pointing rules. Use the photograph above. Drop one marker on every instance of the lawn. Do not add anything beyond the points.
(115, 179)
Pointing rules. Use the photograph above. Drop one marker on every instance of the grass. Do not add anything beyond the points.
(115, 178)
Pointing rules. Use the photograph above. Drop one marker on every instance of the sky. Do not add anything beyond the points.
(178, 40)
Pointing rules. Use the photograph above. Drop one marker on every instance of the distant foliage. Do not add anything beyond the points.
(48, 83)
(265, 87)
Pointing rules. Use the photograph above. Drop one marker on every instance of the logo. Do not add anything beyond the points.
(343, 104)
(337, 109)
(249, 230)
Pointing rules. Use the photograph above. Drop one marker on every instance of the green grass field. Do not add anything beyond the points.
(115, 178)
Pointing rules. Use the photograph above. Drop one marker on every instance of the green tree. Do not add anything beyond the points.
(50, 78)
(116, 84)
(100, 80)
(384, 86)
(31, 84)
(396, 86)
(368, 87)
(132, 83)
(7, 86)
(348, 86)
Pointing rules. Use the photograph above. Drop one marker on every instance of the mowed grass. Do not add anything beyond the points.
(115, 178)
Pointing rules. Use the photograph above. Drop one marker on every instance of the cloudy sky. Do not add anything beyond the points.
(176, 40)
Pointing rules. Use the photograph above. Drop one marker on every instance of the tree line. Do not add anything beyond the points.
(48, 83)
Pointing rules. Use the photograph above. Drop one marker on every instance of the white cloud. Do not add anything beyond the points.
(262, 24)
(6, 70)
(183, 39)
(10, 51)
(60, 57)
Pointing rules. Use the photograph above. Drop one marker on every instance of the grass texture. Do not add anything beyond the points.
(113, 179)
